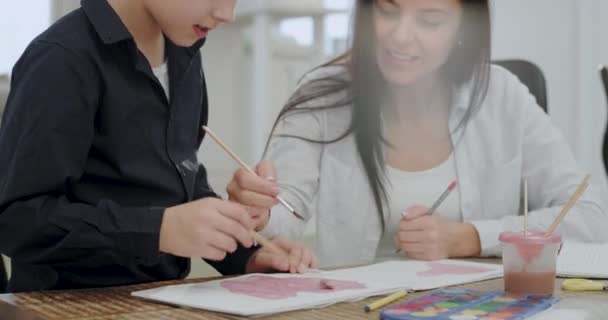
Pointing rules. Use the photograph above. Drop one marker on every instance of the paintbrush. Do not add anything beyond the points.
(246, 167)
(439, 201)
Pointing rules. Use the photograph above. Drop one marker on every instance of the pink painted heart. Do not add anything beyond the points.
(275, 288)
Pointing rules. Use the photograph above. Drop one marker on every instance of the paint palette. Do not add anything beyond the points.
(454, 304)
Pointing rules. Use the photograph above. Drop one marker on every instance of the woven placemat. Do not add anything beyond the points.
(117, 303)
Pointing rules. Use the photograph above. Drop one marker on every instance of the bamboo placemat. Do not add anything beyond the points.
(117, 303)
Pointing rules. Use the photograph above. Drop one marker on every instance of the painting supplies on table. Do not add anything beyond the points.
(265, 294)
(530, 258)
(583, 285)
(571, 202)
(457, 304)
(385, 301)
(529, 262)
(525, 207)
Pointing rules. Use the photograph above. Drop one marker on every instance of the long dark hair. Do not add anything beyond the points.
(365, 86)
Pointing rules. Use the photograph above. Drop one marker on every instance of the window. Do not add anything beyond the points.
(301, 30)
(336, 26)
(20, 23)
(336, 33)
(339, 4)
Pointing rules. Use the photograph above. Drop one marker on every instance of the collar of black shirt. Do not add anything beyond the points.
(111, 29)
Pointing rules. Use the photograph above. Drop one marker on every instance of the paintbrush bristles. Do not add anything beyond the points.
(571, 202)
(525, 207)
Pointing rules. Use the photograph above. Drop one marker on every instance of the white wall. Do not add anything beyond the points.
(19, 24)
(565, 38)
(518, 33)
(600, 100)
(231, 98)
(61, 7)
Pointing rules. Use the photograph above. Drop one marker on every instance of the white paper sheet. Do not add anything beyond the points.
(561, 314)
(583, 260)
(377, 279)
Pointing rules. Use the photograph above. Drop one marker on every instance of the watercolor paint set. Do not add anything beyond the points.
(455, 304)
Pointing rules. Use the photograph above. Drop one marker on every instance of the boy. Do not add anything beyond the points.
(99, 144)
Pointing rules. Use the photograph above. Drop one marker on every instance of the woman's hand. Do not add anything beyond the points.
(430, 237)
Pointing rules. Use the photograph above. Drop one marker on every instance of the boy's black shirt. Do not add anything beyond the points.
(92, 152)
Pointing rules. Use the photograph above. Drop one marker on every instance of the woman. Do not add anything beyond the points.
(371, 139)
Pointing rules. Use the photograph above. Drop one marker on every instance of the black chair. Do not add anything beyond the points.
(530, 75)
(604, 75)
(3, 277)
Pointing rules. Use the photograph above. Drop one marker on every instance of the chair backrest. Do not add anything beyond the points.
(604, 76)
(3, 276)
(530, 75)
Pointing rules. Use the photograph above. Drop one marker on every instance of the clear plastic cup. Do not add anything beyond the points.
(530, 262)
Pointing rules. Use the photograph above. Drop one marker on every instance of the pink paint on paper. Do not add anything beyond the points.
(441, 269)
(273, 288)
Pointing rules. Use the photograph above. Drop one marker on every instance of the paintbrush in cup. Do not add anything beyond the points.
(571, 202)
(525, 207)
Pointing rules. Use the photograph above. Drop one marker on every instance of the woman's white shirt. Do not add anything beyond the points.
(508, 139)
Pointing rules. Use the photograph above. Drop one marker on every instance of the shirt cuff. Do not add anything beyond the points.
(488, 231)
(234, 263)
(143, 241)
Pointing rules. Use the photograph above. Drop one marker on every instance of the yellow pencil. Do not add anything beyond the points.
(583, 285)
(386, 300)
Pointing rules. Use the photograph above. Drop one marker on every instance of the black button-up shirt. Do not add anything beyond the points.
(92, 152)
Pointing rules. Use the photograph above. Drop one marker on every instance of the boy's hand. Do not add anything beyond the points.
(297, 258)
(257, 192)
(208, 228)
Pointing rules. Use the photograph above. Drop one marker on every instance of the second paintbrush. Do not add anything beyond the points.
(437, 203)
(246, 167)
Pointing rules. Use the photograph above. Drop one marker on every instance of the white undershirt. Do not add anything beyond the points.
(162, 73)
(422, 188)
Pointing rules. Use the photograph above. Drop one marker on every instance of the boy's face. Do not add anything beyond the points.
(187, 21)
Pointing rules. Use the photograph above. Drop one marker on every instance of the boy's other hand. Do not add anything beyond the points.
(297, 258)
(209, 228)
